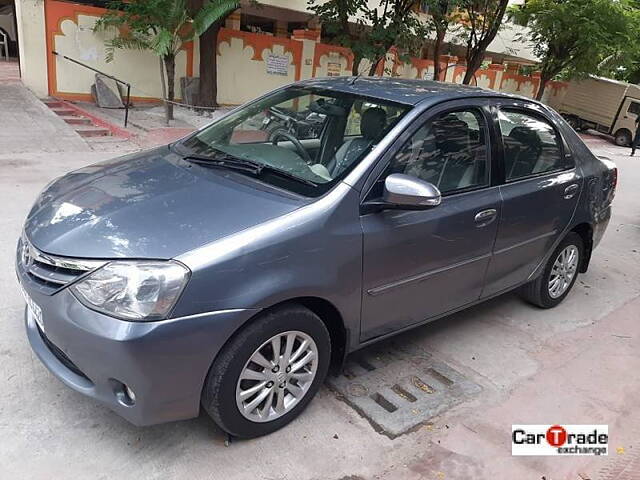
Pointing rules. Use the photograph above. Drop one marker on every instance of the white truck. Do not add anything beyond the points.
(608, 106)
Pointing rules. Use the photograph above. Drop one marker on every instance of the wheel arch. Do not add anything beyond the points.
(335, 324)
(325, 310)
(585, 230)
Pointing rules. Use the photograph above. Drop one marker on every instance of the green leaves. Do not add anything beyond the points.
(162, 43)
(130, 42)
(369, 31)
(162, 26)
(211, 12)
(573, 38)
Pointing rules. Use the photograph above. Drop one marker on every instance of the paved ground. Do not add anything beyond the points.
(577, 363)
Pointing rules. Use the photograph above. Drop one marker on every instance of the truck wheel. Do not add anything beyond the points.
(268, 373)
(559, 275)
(622, 137)
(574, 122)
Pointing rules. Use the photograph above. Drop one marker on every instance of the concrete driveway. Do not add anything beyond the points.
(575, 364)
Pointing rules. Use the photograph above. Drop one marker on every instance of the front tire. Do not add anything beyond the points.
(558, 276)
(268, 373)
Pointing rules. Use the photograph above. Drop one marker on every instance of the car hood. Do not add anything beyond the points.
(149, 205)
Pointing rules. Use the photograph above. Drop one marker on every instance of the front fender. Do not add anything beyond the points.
(314, 251)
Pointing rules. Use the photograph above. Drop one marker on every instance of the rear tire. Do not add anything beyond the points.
(622, 138)
(574, 122)
(223, 394)
(556, 280)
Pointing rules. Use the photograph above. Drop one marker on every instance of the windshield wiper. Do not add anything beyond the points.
(225, 160)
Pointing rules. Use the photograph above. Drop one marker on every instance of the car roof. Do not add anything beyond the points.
(402, 90)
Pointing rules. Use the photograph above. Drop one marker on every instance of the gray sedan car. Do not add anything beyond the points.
(232, 269)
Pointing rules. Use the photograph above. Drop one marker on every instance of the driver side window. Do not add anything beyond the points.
(450, 151)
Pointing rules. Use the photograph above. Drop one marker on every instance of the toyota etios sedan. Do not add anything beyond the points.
(233, 268)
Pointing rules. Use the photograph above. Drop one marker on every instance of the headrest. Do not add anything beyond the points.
(451, 133)
(373, 122)
(526, 136)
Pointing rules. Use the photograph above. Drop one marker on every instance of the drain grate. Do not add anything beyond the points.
(398, 387)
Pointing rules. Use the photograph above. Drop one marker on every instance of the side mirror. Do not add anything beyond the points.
(411, 193)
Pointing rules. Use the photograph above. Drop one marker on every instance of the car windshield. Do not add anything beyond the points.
(301, 139)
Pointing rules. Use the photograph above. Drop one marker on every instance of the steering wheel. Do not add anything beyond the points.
(296, 143)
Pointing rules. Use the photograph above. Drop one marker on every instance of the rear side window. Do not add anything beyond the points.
(531, 145)
(450, 151)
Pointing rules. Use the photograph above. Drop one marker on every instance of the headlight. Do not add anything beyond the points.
(142, 290)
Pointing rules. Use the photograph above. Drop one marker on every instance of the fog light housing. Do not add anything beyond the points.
(124, 393)
(129, 393)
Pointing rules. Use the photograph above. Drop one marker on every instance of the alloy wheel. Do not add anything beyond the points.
(563, 270)
(277, 376)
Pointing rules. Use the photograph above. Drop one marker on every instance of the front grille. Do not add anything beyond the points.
(61, 356)
(51, 272)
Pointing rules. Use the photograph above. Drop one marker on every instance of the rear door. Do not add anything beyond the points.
(540, 191)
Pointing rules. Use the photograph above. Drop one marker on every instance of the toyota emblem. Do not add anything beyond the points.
(26, 257)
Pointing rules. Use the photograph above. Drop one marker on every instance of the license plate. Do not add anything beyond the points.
(33, 309)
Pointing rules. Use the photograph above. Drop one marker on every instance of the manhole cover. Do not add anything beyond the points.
(398, 387)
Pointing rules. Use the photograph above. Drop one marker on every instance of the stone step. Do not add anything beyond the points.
(77, 120)
(92, 131)
(64, 112)
(53, 103)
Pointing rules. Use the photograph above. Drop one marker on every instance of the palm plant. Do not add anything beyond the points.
(162, 26)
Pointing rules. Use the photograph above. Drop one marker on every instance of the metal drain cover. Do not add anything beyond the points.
(398, 387)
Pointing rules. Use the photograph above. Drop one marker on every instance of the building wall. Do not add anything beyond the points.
(32, 45)
(69, 31)
(249, 64)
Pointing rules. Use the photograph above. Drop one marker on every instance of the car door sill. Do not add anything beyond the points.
(526, 242)
(480, 300)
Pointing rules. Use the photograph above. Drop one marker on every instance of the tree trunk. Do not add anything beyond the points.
(170, 64)
(374, 65)
(543, 84)
(437, 48)
(475, 53)
(473, 64)
(163, 84)
(208, 89)
(356, 63)
(372, 68)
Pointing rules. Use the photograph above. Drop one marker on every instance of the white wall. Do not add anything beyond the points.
(32, 45)
(240, 78)
(140, 68)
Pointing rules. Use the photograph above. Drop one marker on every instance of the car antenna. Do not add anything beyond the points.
(355, 78)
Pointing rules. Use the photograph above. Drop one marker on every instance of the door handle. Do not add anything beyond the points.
(570, 191)
(485, 217)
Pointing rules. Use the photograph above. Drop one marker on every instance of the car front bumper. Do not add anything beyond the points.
(164, 363)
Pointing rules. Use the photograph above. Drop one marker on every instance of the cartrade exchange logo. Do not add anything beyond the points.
(559, 439)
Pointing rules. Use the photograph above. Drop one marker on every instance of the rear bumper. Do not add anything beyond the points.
(601, 225)
(164, 363)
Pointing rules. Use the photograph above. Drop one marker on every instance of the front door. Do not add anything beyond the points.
(540, 193)
(421, 264)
